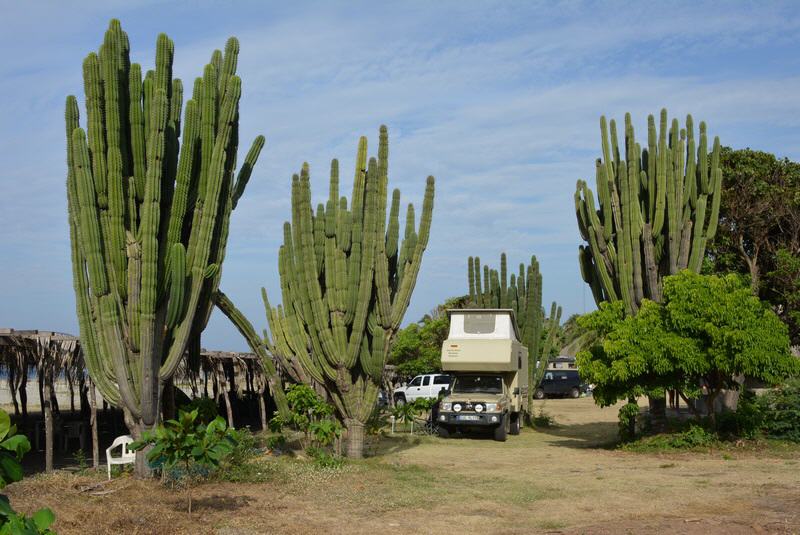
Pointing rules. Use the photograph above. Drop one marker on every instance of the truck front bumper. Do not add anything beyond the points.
(470, 418)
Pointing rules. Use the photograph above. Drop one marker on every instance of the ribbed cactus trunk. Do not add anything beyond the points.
(346, 282)
(150, 197)
(658, 208)
(524, 296)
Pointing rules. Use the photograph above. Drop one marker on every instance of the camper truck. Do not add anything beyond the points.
(489, 370)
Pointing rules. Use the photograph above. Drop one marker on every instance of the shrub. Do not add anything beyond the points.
(309, 414)
(780, 410)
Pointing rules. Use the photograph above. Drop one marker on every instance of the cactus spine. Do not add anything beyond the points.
(657, 209)
(346, 282)
(523, 295)
(148, 217)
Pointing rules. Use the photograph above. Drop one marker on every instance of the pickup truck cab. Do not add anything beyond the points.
(421, 386)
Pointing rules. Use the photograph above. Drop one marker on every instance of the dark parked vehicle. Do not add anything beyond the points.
(561, 383)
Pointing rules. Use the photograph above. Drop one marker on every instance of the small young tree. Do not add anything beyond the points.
(708, 331)
(187, 443)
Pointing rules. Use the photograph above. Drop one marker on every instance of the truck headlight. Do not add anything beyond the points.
(457, 407)
(447, 406)
(494, 407)
(478, 407)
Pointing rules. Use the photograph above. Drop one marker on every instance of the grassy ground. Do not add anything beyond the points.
(566, 479)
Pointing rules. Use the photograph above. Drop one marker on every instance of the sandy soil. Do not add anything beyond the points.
(560, 480)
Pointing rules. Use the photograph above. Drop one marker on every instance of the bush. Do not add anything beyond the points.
(309, 414)
(694, 437)
(780, 411)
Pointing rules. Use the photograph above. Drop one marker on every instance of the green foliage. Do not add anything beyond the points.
(14, 523)
(187, 442)
(206, 408)
(627, 417)
(309, 414)
(12, 448)
(708, 331)
(405, 413)
(695, 437)
(324, 459)
(543, 419)
(780, 411)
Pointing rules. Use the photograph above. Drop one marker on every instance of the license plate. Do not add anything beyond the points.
(468, 417)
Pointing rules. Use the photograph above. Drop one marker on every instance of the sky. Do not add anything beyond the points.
(500, 101)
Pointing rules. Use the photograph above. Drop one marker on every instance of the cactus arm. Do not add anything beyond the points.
(238, 319)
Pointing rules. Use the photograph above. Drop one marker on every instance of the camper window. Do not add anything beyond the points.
(479, 323)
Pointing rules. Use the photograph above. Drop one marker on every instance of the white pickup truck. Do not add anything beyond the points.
(421, 386)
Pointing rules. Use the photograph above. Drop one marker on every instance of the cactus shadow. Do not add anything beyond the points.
(602, 435)
(214, 502)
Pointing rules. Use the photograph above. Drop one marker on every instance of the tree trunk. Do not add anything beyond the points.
(222, 387)
(93, 424)
(168, 405)
(48, 421)
(12, 379)
(71, 393)
(658, 413)
(23, 394)
(355, 438)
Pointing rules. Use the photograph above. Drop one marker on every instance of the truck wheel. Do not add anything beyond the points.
(444, 431)
(538, 394)
(574, 393)
(515, 426)
(399, 400)
(501, 431)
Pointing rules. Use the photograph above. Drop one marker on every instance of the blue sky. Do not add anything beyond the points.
(499, 100)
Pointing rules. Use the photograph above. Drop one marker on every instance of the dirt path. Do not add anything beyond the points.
(552, 481)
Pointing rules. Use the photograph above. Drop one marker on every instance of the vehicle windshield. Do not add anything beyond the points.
(488, 384)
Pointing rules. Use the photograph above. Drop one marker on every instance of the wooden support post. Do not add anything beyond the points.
(222, 387)
(48, 420)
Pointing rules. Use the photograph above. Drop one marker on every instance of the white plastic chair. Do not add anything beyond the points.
(128, 457)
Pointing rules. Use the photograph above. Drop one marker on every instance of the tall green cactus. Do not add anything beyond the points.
(148, 217)
(524, 296)
(346, 281)
(658, 208)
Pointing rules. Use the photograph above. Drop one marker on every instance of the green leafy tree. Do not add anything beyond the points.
(12, 448)
(187, 443)
(707, 331)
(759, 228)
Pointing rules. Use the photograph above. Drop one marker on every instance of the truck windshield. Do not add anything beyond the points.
(488, 384)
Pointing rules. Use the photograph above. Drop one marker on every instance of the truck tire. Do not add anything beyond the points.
(574, 393)
(515, 424)
(399, 400)
(444, 431)
(538, 394)
(501, 431)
